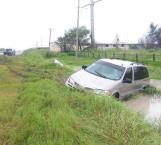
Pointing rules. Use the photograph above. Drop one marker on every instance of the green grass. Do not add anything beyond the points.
(73, 60)
(37, 109)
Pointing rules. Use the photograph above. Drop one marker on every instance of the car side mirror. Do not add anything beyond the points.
(127, 80)
(84, 67)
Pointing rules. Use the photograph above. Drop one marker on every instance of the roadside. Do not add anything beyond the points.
(10, 84)
(47, 112)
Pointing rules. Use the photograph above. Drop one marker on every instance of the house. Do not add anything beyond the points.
(54, 46)
(57, 47)
(123, 46)
(104, 46)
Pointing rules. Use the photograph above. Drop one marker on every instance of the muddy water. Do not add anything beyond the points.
(149, 106)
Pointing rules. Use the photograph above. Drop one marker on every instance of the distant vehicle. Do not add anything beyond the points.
(9, 52)
(1, 51)
(114, 77)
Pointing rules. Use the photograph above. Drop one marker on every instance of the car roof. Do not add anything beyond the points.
(123, 63)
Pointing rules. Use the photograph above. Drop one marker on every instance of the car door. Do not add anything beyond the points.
(137, 77)
(141, 77)
(146, 80)
(126, 86)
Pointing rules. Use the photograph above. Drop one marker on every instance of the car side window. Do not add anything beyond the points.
(140, 73)
(128, 75)
(146, 73)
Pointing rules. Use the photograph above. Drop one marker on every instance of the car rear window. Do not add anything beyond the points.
(140, 73)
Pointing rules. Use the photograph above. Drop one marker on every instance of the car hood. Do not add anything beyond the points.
(90, 81)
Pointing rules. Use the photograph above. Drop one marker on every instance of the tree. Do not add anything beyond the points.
(117, 40)
(70, 36)
(158, 37)
(151, 39)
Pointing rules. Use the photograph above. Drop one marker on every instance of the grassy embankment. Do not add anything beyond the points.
(37, 109)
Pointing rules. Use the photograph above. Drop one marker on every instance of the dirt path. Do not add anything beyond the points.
(10, 83)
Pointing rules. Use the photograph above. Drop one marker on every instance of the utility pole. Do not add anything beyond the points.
(41, 39)
(36, 44)
(50, 32)
(92, 3)
(77, 35)
(92, 24)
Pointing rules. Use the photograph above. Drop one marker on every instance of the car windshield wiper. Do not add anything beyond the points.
(101, 75)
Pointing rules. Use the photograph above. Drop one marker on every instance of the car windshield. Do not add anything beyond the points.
(106, 70)
(8, 49)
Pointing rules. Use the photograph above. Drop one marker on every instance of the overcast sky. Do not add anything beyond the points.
(26, 23)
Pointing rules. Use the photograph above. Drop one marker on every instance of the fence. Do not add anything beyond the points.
(137, 57)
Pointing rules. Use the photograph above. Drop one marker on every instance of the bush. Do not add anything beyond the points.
(50, 54)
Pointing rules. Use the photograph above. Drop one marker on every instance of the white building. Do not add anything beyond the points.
(55, 47)
(104, 46)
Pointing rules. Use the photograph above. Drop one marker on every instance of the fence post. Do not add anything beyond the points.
(113, 54)
(105, 54)
(93, 54)
(99, 56)
(124, 56)
(153, 57)
(136, 57)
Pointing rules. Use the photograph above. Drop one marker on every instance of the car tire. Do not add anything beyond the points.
(116, 95)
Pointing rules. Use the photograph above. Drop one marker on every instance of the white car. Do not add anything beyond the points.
(111, 77)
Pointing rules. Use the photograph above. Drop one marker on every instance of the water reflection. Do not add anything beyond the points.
(149, 106)
(154, 109)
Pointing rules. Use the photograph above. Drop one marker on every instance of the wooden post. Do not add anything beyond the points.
(93, 54)
(113, 54)
(99, 55)
(136, 57)
(153, 57)
(124, 56)
(105, 54)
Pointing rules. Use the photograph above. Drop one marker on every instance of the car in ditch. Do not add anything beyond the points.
(111, 77)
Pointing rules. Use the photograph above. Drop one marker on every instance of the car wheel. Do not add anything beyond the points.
(116, 95)
(145, 87)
